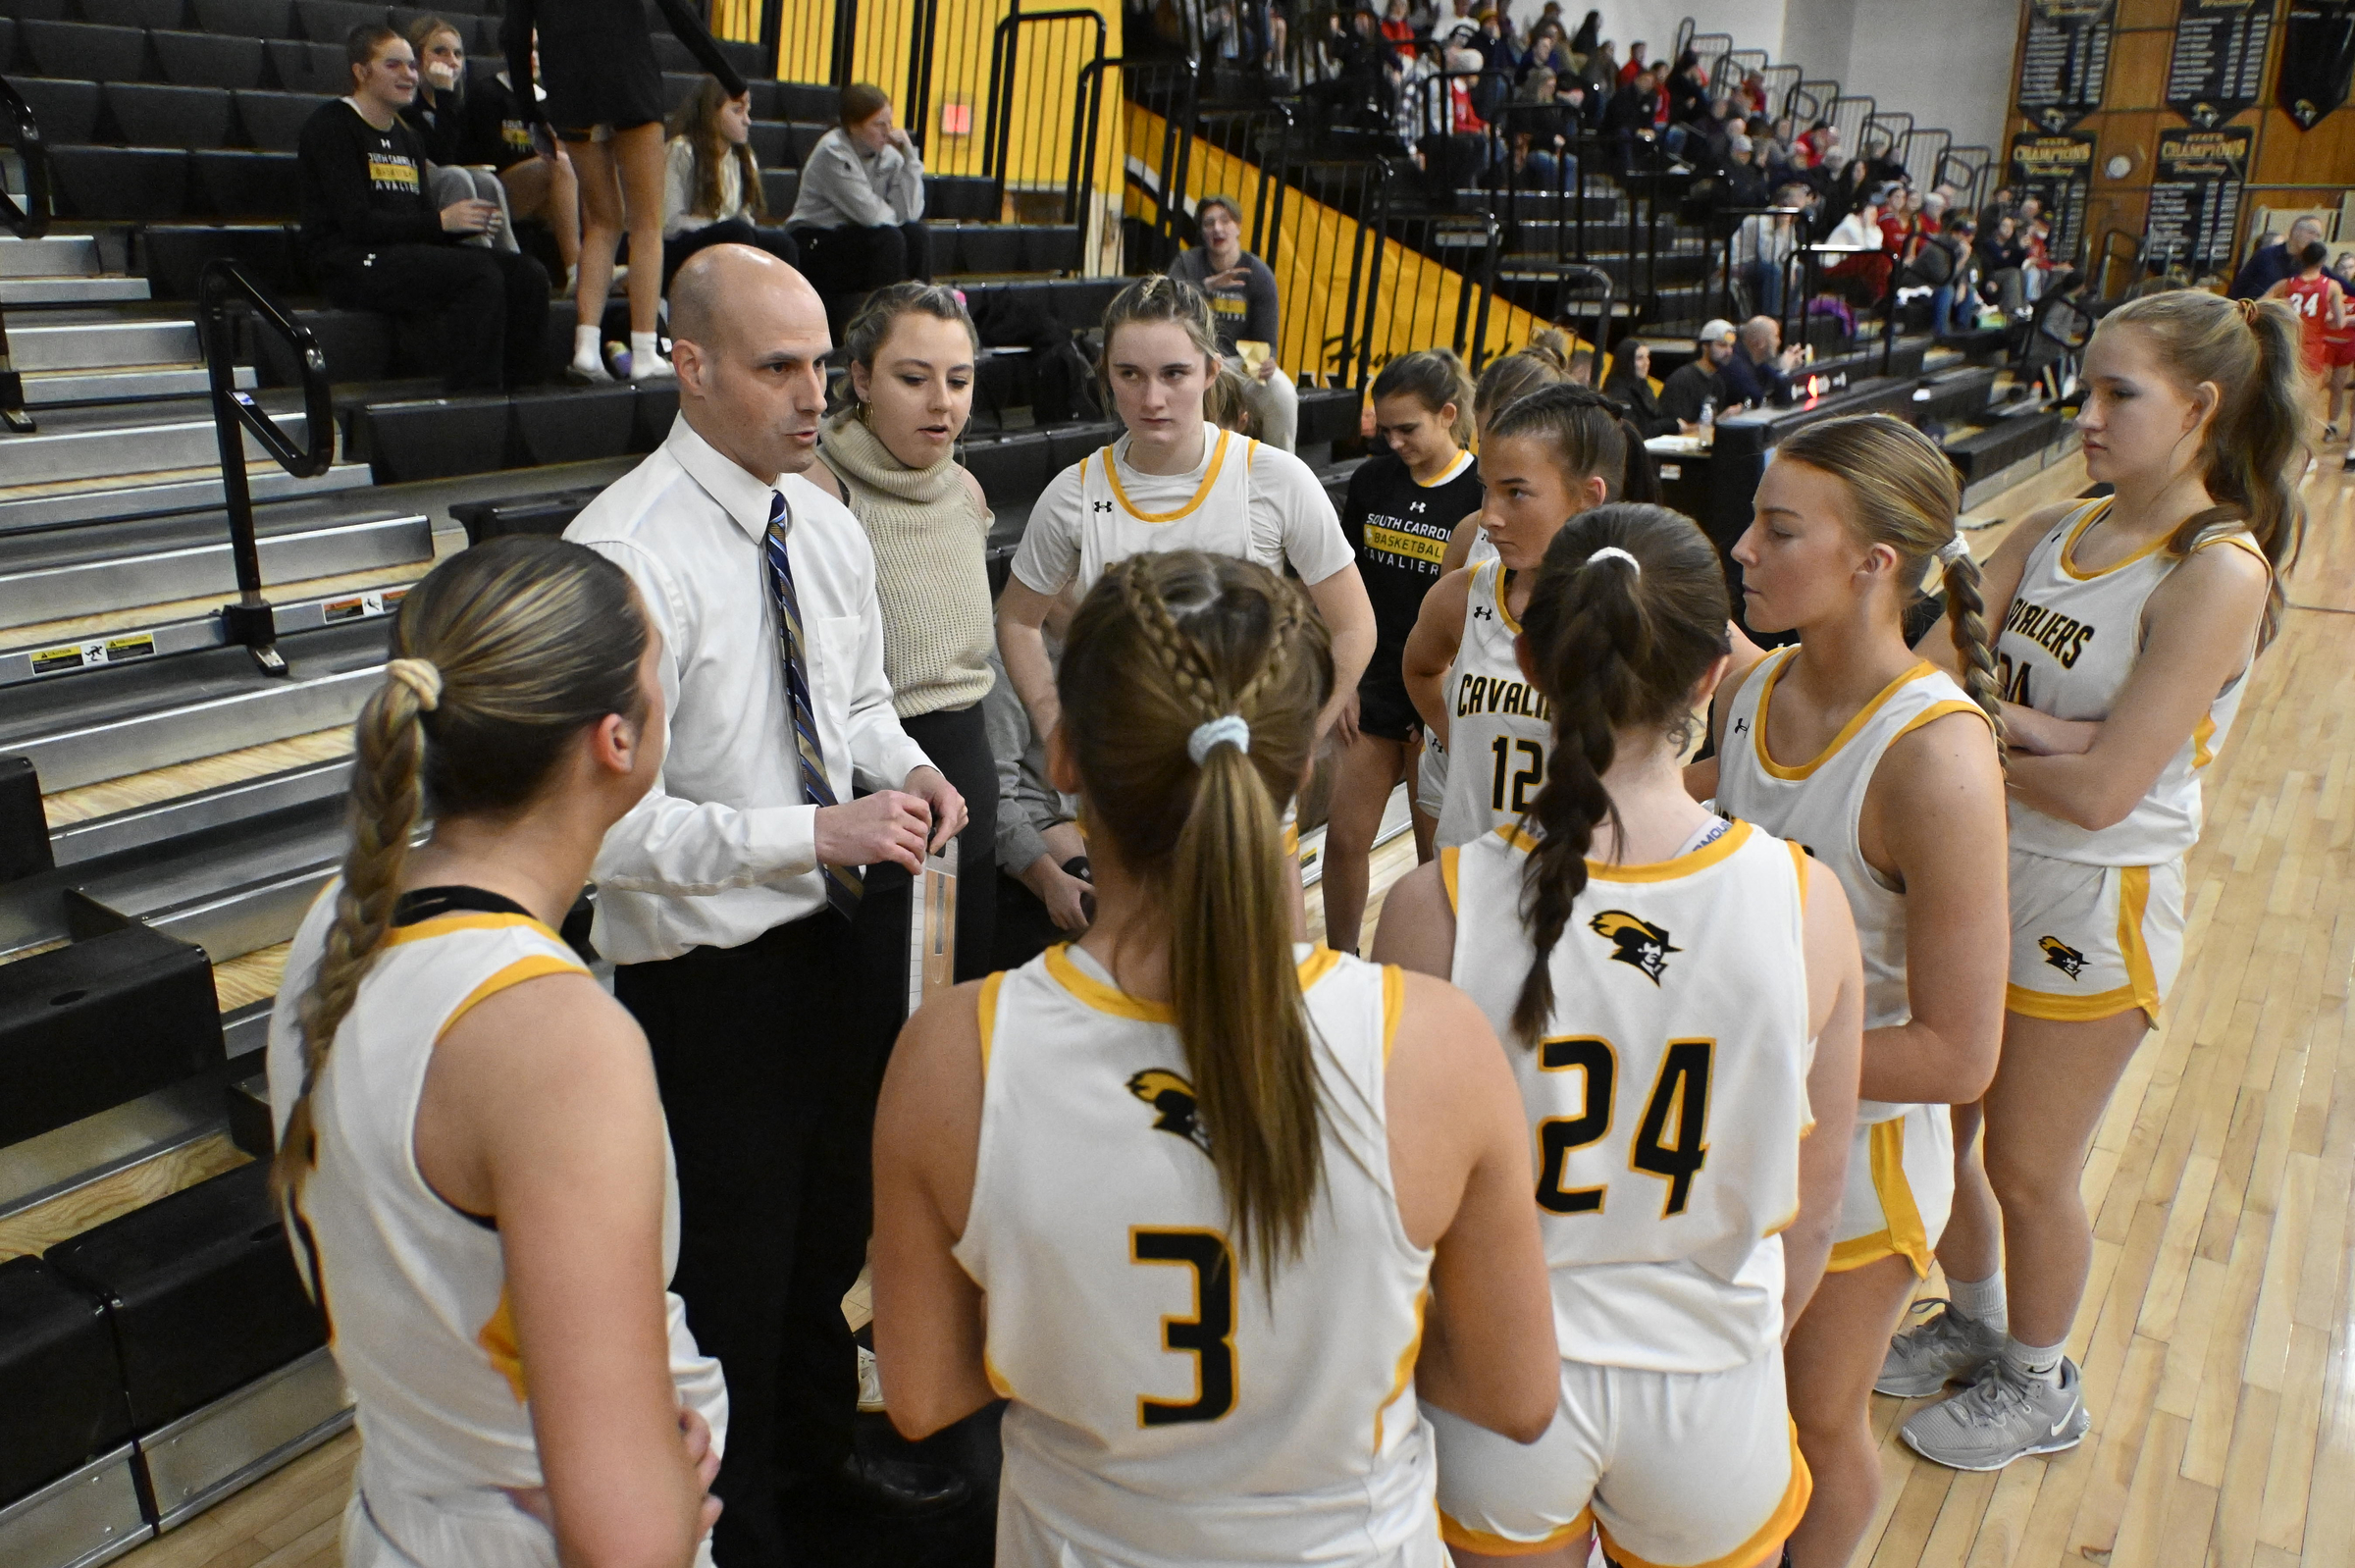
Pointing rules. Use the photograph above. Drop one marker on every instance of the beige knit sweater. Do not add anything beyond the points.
(931, 577)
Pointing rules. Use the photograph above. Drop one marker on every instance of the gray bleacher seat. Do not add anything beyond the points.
(331, 21)
(137, 184)
(68, 110)
(168, 116)
(310, 67)
(248, 184)
(249, 19)
(780, 188)
(805, 100)
(8, 42)
(486, 35)
(83, 50)
(41, 9)
(135, 13)
(273, 121)
(771, 144)
(677, 85)
(201, 60)
(744, 57)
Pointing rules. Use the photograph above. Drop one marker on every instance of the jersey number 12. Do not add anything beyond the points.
(1208, 1335)
(1523, 781)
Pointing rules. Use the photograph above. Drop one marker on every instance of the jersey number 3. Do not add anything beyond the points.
(1680, 1095)
(1208, 1335)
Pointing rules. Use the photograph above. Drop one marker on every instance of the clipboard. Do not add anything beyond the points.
(932, 928)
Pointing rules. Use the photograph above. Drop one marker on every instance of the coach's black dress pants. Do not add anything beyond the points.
(769, 1058)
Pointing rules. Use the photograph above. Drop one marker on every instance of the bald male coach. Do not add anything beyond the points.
(729, 898)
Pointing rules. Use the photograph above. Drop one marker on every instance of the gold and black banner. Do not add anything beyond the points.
(2057, 169)
(2317, 59)
(2218, 68)
(2065, 62)
(2195, 197)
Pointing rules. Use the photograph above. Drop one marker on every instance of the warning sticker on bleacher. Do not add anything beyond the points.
(119, 648)
(50, 661)
(360, 607)
(83, 656)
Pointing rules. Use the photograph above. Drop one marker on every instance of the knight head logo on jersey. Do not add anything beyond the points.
(1637, 943)
(1174, 1097)
(2060, 955)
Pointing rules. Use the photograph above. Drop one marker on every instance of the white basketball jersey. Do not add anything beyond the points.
(1819, 804)
(2068, 642)
(1482, 550)
(1217, 519)
(1169, 1408)
(1499, 727)
(1667, 1094)
(415, 1291)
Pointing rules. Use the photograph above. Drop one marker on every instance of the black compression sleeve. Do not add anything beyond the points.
(692, 32)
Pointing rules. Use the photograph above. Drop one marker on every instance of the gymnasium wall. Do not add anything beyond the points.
(2288, 167)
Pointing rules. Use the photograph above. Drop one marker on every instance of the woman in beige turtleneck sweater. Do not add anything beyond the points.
(889, 458)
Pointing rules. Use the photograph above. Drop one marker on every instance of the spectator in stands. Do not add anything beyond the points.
(1500, 65)
(859, 219)
(1695, 385)
(438, 116)
(378, 242)
(605, 102)
(1540, 126)
(2276, 260)
(1631, 387)
(1589, 36)
(1782, 157)
(730, 899)
(889, 454)
(1400, 31)
(1861, 273)
(1242, 297)
(1635, 65)
(537, 173)
(711, 183)
(1043, 891)
(2036, 237)
(2002, 260)
(1688, 90)
(1998, 208)
(1547, 53)
(1880, 160)
(1764, 246)
(1744, 179)
(1759, 370)
(1949, 263)
(1632, 119)
(1600, 74)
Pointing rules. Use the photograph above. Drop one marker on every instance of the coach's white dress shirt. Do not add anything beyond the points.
(723, 847)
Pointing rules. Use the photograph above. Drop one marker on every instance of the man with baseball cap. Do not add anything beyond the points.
(1696, 382)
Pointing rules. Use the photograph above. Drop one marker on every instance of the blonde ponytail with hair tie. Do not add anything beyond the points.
(419, 676)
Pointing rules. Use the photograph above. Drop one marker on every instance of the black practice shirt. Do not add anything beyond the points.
(363, 189)
(1399, 530)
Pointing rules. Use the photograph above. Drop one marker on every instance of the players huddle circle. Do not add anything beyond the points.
(1620, 1161)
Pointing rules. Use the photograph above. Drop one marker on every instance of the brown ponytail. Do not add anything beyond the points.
(1434, 378)
(502, 655)
(1903, 492)
(1614, 646)
(1588, 437)
(1512, 376)
(1163, 644)
(2257, 444)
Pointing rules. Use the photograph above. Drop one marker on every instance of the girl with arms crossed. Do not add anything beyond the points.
(1213, 1209)
(1683, 999)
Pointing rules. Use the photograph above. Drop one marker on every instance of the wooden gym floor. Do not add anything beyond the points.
(2219, 1367)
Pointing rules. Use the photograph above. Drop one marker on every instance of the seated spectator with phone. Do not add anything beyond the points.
(1242, 297)
(377, 241)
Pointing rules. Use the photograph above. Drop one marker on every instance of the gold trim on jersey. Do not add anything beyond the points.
(988, 1011)
(1448, 870)
(1765, 1544)
(1905, 1236)
(1799, 859)
(1939, 711)
(1847, 731)
(498, 1340)
(1086, 988)
(1504, 611)
(1464, 459)
(2141, 989)
(1457, 1534)
(1686, 865)
(2093, 514)
(1394, 1006)
(535, 967)
(2201, 734)
(1406, 1366)
(463, 921)
(1210, 477)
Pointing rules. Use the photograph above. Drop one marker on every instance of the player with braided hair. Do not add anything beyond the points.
(1855, 746)
(1681, 994)
(1220, 1214)
(471, 1149)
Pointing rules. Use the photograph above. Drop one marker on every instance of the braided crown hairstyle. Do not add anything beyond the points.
(1903, 492)
(1513, 376)
(1616, 647)
(501, 656)
(1162, 645)
(1588, 436)
(1159, 297)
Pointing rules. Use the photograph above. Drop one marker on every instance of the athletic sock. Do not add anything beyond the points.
(2035, 1361)
(1979, 1301)
(642, 349)
(585, 346)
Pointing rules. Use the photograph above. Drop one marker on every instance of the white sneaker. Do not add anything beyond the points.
(1946, 1348)
(2005, 1415)
(870, 1386)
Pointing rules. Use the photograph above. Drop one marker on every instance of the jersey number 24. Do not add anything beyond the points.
(1680, 1095)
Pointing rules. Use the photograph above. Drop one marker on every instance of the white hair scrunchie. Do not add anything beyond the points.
(1954, 550)
(1229, 730)
(1614, 552)
(420, 677)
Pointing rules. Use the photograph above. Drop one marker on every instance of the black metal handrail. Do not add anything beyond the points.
(222, 288)
(998, 128)
(22, 132)
(1176, 146)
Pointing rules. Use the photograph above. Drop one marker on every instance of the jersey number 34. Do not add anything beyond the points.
(1671, 1139)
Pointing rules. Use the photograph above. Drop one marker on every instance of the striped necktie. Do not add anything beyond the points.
(843, 886)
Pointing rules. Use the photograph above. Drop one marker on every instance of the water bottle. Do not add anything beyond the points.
(1709, 420)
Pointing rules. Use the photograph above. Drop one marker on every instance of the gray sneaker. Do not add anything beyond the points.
(2002, 1416)
(1945, 1347)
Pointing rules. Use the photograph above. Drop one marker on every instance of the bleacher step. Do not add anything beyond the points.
(103, 344)
(110, 445)
(187, 490)
(17, 292)
(64, 256)
(103, 567)
(54, 388)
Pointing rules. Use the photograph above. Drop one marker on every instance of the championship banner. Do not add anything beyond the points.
(932, 928)
(2317, 59)
(2058, 171)
(2065, 62)
(2195, 197)
(2218, 68)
